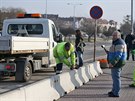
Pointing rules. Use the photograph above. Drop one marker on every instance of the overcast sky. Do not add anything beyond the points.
(112, 9)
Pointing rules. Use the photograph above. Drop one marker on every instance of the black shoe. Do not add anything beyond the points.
(110, 92)
(80, 65)
(112, 95)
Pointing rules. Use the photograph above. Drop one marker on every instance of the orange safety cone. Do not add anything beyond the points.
(103, 63)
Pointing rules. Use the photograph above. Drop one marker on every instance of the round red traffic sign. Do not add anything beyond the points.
(96, 12)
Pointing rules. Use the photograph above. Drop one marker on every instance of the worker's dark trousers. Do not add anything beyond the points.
(79, 54)
(59, 66)
(128, 54)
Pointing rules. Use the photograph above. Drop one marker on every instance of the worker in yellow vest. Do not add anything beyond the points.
(133, 84)
(62, 52)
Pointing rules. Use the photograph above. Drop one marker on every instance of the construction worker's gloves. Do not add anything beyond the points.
(73, 67)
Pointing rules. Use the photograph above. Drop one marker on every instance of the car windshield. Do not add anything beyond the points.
(13, 29)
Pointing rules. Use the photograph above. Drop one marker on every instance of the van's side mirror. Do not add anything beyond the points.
(58, 38)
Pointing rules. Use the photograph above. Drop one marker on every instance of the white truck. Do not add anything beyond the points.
(26, 45)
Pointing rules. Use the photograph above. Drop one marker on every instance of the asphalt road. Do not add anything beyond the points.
(9, 83)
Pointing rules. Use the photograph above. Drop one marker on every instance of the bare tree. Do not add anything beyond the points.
(67, 31)
(7, 13)
(88, 26)
(126, 25)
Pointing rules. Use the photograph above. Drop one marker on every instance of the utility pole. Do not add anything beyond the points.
(132, 20)
(74, 8)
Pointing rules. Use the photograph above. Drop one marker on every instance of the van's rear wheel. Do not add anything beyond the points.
(27, 71)
(23, 70)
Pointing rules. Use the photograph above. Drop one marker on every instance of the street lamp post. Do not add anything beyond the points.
(46, 10)
(74, 20)
(132, 20)
(74, 7)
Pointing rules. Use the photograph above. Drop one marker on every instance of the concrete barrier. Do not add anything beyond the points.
(97, 67)
(64, 83)
(82, 75)
(88, 72)
(76, 78)
(92, 70)
(41, 91)
(53, 88)
(15, 95)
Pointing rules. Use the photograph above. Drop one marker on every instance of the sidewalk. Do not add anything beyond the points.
(97, 89)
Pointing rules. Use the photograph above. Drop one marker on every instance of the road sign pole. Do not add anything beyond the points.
(95, 12)
(95, 35)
